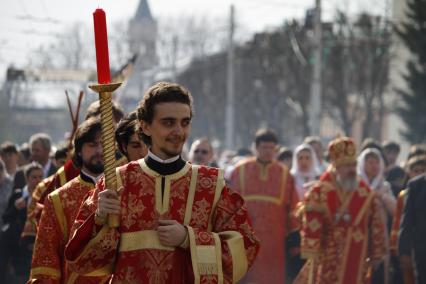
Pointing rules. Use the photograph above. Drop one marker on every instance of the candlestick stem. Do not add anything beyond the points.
(108, 142)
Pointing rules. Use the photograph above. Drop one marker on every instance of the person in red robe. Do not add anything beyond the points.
(268, 189)
(179, 223)
(342, 231)
(61, 207)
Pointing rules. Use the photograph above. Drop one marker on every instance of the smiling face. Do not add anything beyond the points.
(169, 129)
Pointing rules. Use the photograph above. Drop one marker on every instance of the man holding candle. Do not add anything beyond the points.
(179, 223)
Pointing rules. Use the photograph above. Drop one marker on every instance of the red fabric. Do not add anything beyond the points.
(60, 209)
(138, 214)
(340, 247)
(272, 219)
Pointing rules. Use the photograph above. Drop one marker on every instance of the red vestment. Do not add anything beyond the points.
(222, 244)
(341, 232)
(271, 199)
(60, 208)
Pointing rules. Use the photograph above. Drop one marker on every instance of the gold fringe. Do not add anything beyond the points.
(207, 269)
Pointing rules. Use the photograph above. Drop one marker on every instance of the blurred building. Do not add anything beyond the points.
(142, 33)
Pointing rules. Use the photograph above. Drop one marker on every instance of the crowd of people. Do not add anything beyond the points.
(265, 214)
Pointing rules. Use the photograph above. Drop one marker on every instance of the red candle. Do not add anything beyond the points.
(101, 43)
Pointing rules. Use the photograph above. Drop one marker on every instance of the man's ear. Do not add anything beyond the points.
(146, 128)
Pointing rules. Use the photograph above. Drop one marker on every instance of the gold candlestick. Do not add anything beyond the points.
(108, 143)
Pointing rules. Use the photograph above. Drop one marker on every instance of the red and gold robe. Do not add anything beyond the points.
(396, 222)
(271, 199)
(60, 208)
(340, 232)
(222, 244)
(44, 188)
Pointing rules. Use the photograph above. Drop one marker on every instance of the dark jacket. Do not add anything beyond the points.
(13, 219)
(413, 226)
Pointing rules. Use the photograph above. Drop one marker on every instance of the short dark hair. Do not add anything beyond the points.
(32, 167)
(24, 150)
(265, 135)
(86, 132)
(127, 126)
(416, 150)
(395, 173)
(8, 148)
(284, 153)
(416, 161)
(391, 146)
(244, 152)
(61, 152)
(162, 92)
(94, 110)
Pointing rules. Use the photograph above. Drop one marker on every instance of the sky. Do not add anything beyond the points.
(27, 24)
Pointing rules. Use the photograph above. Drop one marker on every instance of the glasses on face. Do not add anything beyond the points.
(201, 151)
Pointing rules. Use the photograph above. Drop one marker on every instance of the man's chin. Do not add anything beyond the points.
(173, 152)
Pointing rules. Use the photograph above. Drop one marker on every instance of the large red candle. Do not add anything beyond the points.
(101, 43)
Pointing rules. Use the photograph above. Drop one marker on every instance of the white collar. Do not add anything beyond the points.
(94, 179)
(158, 159)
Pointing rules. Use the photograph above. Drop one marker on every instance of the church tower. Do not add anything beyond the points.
(142, 37)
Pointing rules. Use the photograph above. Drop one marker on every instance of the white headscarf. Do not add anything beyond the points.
(377, 180)
(301, 178)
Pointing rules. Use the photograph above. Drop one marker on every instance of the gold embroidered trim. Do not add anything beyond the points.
(191, 194)
(59, 212)
(218, 248)
(194, 255)
(44, 270)
(235, 243)
(220, 184)
(62, 176)
(141, 240)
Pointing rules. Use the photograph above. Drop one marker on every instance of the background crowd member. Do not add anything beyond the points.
(5, 191)
(9, 155)
(285, 156)
(13, 252)
(371, 168)
(201, 152)
(305, 168)
(128, 140)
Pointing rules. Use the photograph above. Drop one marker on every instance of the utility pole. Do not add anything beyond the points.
(315, 102)
(230, 88)
(174, 58)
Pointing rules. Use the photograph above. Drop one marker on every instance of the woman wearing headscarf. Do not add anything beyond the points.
(371, 169)
(305, 168)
